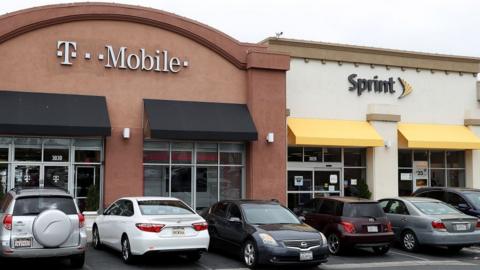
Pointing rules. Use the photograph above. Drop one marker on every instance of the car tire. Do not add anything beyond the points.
(97, 244)
(77, 261)
(335, 246)
(382, 250)
(454, 249)
(409, 241)
(194, 256)
(127, 256)
(250, 254)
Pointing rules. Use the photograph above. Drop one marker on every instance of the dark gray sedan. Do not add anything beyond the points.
(425, 221)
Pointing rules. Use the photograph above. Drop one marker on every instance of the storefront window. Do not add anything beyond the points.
(437, 177)
(295, 154)
(28, 154)
(456, 178)
(437, 159)
(214, 171)
(3, 154)
(420, 155)
(404, 158)
(3, 177)
(56, 155)
(313, 154)
(87, 156)
(455, 159)
(353, 178)
(354, 157)
(300, 180)
(332, 154)
(297, 200)
(405, 182)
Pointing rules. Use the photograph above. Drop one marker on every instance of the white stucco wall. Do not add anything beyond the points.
(321, 91)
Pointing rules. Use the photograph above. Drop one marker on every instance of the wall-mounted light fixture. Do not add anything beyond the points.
(126, 133)
(387, 143)
(270, 137)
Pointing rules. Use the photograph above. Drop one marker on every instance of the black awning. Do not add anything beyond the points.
(185, 120)
(25, 113)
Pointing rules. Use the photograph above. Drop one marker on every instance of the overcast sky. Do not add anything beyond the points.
(437, 26)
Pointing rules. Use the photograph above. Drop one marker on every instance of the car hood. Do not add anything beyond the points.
(289, 231)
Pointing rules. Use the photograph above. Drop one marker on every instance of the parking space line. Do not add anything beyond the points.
(409, 255)
(395, 264)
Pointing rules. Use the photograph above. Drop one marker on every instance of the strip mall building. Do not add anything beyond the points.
(138, 101)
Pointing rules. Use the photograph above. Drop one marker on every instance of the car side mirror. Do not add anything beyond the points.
(301, 218)
(463, 206)
(235, 219)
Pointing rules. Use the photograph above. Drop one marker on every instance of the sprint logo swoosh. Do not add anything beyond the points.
(407, 88)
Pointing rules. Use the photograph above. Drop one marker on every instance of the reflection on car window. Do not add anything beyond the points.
(362, 210)
(435, 208)
(398, 208)
(474, 197)
(27, 206)
(161, 207)
(268, 214)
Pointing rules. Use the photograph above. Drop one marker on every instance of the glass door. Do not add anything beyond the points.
(181, 183)
(327, 182)
(84, 180)
(27, 176)
(55, 176)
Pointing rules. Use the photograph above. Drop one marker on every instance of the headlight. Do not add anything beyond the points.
(268, 239)
(324, 240)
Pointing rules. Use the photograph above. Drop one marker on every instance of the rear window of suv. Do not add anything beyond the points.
(29, 206)
(362, 210)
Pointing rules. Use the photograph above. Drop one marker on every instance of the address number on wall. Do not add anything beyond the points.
(57, 157)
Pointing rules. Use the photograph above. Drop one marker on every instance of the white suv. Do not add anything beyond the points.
(42, 223)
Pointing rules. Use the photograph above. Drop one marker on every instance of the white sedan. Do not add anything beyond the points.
(140, 225)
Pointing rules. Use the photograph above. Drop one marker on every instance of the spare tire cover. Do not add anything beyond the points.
(52, 228)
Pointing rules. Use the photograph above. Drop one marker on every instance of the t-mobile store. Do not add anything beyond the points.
(109, 100)
(393, 120)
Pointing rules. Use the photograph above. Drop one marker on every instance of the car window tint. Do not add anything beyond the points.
(234, 211)
(474, 198)
(435, 208)
(110, 209)
(398, 208)
(437, 194)
(163, 207)
(26, 206)
(455, 199)
(362, 210)
(328, 207)
(5, 203)
(384, 205)
(221, 209)
(116, 210)
(127, 208)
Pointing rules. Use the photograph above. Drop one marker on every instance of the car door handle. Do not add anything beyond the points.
(403, 219)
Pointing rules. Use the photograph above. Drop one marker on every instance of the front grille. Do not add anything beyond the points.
(302, 244)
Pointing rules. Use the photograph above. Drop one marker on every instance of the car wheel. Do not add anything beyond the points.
(127, 256)
(250, 254)
(454, 249)
(409, 241)
(194, 256)
(77, 261)
(334, 245)
(96, 238)
(381, 250)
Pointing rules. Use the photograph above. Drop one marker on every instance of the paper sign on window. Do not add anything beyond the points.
(353, 182)
(333, 179)
(298, 181)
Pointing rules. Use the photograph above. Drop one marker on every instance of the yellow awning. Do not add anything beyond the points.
(304, 131)
(438, 136)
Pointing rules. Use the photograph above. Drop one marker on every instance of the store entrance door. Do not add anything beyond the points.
(327, 182)
(27, 176)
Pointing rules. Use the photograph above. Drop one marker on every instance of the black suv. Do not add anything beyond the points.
(466, 200)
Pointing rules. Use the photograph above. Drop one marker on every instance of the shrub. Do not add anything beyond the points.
(93, 198)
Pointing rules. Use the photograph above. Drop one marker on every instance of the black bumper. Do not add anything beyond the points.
(286, 256)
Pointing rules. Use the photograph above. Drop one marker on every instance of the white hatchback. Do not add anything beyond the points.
(140, 225)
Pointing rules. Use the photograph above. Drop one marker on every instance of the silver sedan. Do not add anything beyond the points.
(425, 221)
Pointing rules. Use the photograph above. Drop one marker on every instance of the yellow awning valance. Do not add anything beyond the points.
(318, 132)
(438, 136)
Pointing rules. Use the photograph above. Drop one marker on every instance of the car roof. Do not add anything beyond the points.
(413, 199)
(23, 192)
(246, 201)
(448, 189)
(149, 198)
(350, 199)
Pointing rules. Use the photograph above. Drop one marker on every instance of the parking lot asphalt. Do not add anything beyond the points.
(431, 258)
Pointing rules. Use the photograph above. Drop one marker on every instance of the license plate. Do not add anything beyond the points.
(306, 256)
(22, 242)
(372, 228)
(178, 231)
(461, 227)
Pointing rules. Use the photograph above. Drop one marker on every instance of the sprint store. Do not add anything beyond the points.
(392, 120)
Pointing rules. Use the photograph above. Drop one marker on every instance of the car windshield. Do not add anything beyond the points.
(268, 214)
(163, 207)
(31, 206)
(435, 208)
(363, 210)
(474, 197)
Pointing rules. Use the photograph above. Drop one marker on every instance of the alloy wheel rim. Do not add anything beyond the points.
(409, 241)
(125, 249)
(249, 254)
(333, 243)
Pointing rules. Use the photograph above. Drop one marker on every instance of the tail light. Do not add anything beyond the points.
(388, 228)
(81, 220)
(7, 222)
(149, 227)
(438, 225)
(348, 227)
(201, 226)
(478, 225)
